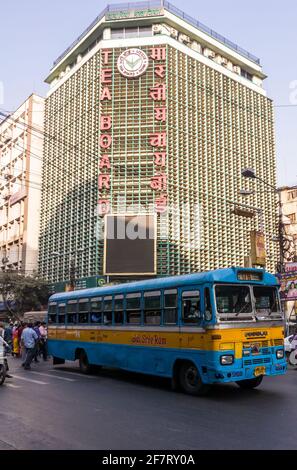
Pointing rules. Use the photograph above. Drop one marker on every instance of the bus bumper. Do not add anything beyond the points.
(227, 375)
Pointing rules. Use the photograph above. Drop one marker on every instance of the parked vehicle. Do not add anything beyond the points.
(291, 349)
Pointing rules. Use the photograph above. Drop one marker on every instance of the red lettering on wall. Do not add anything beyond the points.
(105, 95)
(160, 70)
(158, 139)
(105, 53)
(160, 114)
(106, 75)
(104, 162)
(105, 141)
(160, 158)
(103, 207)
(105, 123)
(104, 181)
(158, 92)
(158, 53)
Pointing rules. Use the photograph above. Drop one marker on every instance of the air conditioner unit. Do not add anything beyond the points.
(157, 29)
(237, 69)
(209, 53)
(224, 62)
(184, 38)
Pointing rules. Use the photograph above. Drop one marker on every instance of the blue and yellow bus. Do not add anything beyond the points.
(201, 329)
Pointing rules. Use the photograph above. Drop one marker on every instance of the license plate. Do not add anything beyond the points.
(260, 371)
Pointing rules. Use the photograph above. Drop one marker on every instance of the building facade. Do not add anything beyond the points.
(150, 111)
(289, 210)
(21, 151)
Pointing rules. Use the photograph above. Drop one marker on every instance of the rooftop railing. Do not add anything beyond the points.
(172, 9)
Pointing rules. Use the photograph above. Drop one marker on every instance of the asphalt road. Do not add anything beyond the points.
(59, 408)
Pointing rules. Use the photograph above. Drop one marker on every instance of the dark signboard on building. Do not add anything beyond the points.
(130, 245)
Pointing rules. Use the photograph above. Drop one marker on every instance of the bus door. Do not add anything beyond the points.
(191, 316)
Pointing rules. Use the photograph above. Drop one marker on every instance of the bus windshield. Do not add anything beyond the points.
(234, 302)
(266, 302)
(238, 303)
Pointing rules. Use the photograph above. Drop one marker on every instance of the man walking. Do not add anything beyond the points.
(29, 339)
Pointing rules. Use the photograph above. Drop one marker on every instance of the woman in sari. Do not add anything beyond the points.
(15, 341)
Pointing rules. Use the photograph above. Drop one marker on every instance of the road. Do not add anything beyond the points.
(59, 408)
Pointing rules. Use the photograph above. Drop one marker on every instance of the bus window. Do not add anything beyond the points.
(170, 307)
(133, 309)
(83, 311)
(119, 309)
(71, 312)
(96, 310)
(207, 304)
(191, 307)
(152, 308)
(107, 310)
(61, 313)
(52, 313)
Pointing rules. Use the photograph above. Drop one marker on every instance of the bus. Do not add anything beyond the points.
(198, 330)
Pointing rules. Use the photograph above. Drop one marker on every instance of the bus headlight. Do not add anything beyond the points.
(280, 354)
(227, 360)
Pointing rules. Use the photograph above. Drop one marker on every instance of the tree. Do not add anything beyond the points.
(22, 293)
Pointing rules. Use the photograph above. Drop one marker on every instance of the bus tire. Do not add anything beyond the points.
(190, 380)
(251, 383)
(84, 365)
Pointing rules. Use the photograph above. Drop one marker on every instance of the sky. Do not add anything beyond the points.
(35, 32)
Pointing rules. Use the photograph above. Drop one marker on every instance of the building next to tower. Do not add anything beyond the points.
(21, 152)
(151, 115)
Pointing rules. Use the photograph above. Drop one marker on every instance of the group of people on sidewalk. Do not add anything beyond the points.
(24, 340)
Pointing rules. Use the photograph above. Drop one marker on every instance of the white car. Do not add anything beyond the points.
(290, 343)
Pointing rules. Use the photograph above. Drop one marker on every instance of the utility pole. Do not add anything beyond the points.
(72, 273)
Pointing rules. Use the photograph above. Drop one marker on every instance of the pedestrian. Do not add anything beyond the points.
(43, 340)
(8, 335)
(15, 340)
(37, 344)
(29, 339)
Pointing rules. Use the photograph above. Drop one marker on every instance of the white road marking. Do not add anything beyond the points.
(54, 376)
(73, 374)
(13, 386)
(30, 380)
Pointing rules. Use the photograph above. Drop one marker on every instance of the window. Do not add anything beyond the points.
(234, 301)
(107, 310)
(266, 301)
(71, 312)
(207, 303)
(83, 311)
(117, 33)
(52, 313)
(133, 308)
(145, 31)
(152, 308)
(170, 307)
(191, 307)
(246, 75)
(119, 310)
(131, 32)
(61, 313)
(96, 310)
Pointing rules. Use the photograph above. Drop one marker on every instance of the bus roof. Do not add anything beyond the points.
(229, 275)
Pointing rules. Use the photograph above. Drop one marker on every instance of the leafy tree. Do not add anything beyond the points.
(22, 293)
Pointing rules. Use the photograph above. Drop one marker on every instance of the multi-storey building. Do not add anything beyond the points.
(21, 151)
(150, 110)
(289, 210)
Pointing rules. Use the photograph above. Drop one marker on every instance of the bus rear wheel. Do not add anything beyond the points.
(84, 365)
(190, 380)
(250, 384)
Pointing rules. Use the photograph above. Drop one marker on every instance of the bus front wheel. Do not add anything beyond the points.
(84, 365)
(190, 380)
(250, 384)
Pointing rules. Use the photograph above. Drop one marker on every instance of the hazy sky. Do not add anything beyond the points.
(35, 32)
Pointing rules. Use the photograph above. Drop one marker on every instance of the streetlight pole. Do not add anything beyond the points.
(250, 173)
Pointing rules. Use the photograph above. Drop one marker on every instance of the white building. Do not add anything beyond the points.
(21, 153)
